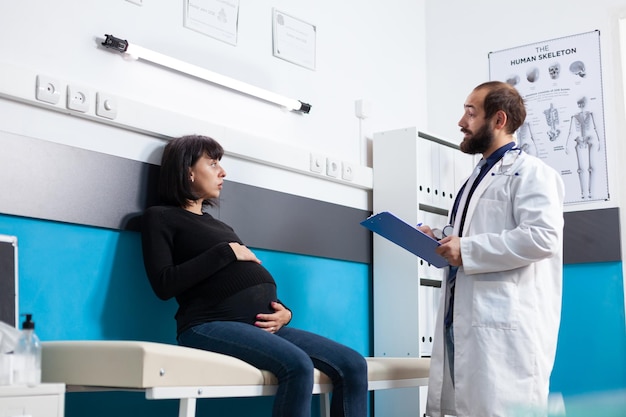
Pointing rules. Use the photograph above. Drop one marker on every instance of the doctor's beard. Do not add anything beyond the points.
(479, 142)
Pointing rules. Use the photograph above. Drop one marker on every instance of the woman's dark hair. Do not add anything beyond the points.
(503, 96)
(179, 156)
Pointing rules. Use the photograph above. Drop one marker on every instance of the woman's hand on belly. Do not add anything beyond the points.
(274, 321)
(243, 253)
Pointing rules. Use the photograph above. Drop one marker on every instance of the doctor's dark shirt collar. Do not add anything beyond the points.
(489, 163)
(494, 158)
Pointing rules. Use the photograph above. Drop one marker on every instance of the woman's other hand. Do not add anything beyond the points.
(274, 321)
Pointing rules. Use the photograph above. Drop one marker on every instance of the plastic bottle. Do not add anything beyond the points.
(27, 356)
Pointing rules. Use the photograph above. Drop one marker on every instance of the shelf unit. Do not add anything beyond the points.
(415, 176)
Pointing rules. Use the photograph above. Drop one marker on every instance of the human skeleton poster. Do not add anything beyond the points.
(561, 83)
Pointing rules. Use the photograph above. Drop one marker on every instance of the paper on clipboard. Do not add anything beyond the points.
(406, 236)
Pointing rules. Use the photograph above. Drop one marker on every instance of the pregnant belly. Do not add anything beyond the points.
(246, 304)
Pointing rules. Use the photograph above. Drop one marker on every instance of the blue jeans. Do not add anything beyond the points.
(290, 354)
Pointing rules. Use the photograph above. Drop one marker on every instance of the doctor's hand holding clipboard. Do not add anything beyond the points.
(449, 245)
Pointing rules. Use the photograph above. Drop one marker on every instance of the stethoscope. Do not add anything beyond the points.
(445, 232)
(502, 167)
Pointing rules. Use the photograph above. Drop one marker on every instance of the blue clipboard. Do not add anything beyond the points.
(406, 236)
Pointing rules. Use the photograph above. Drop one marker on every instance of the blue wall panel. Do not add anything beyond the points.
(83, 282)
(591, 354)
(328, 297)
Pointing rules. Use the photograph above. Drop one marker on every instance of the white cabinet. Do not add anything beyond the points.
(44, 400)
(416, 177)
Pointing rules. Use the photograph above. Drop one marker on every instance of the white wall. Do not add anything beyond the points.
(372, 51)
(461, 35)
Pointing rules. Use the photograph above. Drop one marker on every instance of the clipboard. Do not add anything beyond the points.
(406, 236)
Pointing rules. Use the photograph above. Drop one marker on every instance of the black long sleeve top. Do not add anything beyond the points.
(188, 256)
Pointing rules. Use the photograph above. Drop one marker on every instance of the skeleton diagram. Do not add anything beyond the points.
(583, 132)
(578, 68)
(513, 80)
(525, 139)
(532, 74)
(554, 70)
(552, 119)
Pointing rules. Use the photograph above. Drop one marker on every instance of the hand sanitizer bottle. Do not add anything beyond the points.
(27, 356)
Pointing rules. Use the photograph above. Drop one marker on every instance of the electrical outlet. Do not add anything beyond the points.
(333, 167)
(77, 98)
(48, 89)
(106, 105)
(318, 162)
(347, 171)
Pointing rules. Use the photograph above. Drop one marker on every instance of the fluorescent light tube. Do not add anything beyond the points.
(137, 52)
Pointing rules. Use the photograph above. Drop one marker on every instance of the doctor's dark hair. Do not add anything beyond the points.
(179, 156)
(503, 96)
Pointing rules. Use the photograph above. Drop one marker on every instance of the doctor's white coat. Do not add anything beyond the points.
(508, 295)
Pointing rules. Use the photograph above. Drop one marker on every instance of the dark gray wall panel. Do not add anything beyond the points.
(592, 236)
(284, 222)
(46, 180)
(51, 181)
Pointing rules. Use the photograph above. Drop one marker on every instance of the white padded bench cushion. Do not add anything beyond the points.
(393, 369)
(134, 364)
(140, 365)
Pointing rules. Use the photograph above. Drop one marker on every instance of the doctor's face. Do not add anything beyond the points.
(477, 131)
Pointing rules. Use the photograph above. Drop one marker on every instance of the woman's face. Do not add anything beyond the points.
(207, 178)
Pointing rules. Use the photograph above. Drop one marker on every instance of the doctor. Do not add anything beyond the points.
(497, 327)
